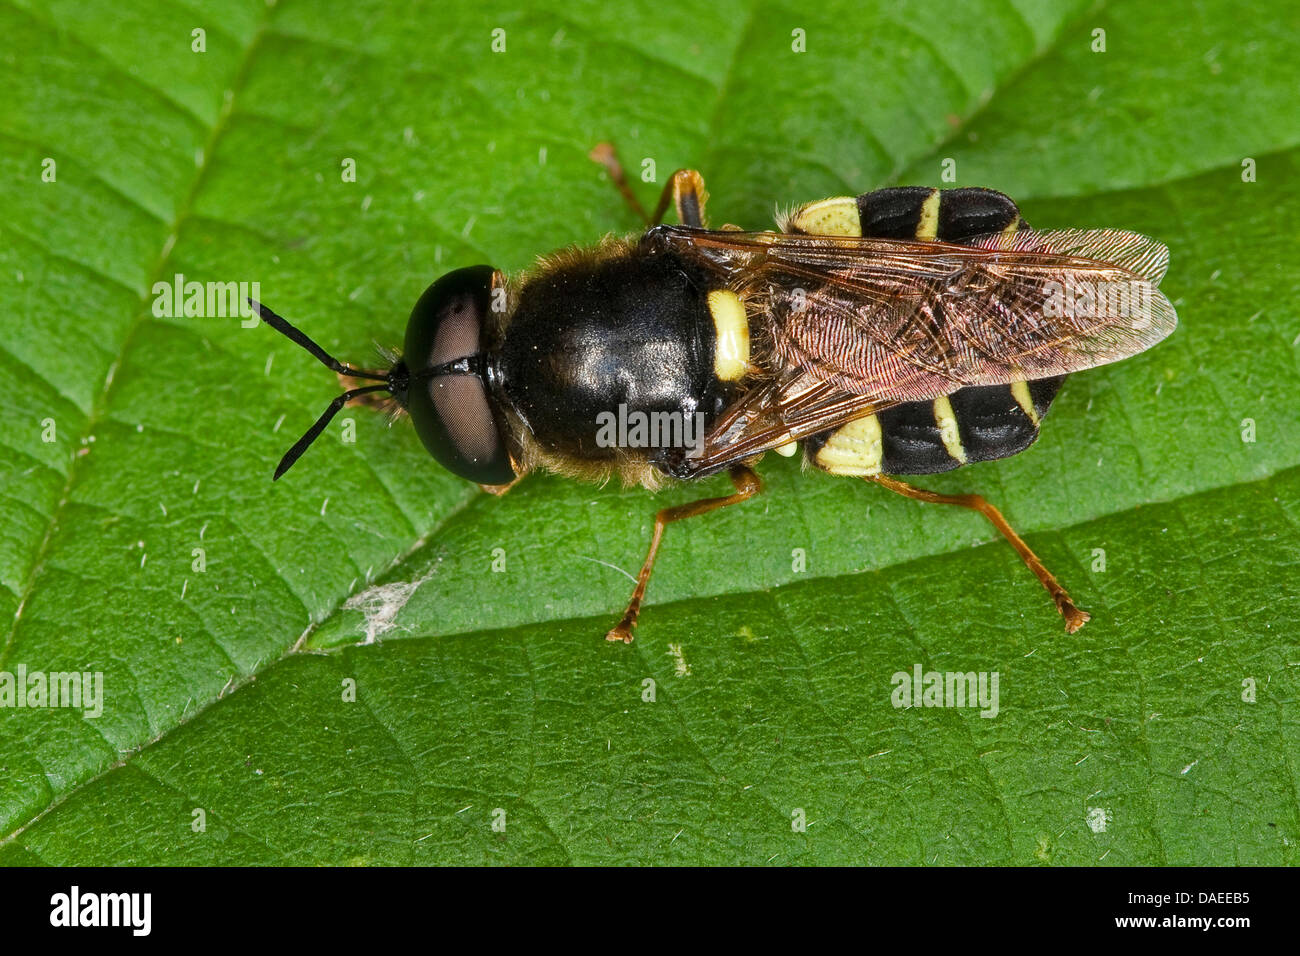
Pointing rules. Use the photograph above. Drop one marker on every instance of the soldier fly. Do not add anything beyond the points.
(904, 331)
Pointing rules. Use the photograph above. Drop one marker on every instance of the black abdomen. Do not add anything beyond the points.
(978, 423)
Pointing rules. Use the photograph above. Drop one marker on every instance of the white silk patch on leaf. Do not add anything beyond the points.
(381, 604)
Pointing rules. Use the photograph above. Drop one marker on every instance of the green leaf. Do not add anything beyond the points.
(491, 696)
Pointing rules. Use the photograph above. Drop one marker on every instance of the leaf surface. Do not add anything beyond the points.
(492, 696)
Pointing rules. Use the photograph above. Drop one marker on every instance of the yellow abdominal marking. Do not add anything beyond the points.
(1020, 391)
(829, 217)
(928, 227)
(788, 449)
(731, 348)
(853, 449)
(947, 422)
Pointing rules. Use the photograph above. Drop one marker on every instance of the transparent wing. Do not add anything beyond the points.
(846, 326)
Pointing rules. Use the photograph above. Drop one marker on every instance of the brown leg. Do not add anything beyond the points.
(1075, 618)
(747, 485)
(685, 190)
(500, 490)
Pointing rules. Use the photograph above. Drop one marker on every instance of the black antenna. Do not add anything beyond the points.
(300, 446)
(282, 326)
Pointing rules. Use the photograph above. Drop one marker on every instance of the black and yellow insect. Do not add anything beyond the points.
(904, 331)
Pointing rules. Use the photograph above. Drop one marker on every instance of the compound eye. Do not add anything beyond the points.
(453, 412)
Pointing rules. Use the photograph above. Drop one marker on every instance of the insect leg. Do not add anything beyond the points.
(685, 190)
(747, 485)
(1075, 617)
(500, 490)
(607, 156)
